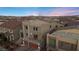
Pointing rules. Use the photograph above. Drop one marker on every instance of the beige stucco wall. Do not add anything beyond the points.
(16, 32)
(72, 41)
(41, 29)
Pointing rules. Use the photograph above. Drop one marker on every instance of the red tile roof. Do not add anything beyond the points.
(11, 24)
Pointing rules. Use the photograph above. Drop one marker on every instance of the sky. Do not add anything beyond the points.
(36, 11)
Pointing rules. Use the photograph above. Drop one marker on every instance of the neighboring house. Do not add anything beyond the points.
(64, 40)
(70, 23)
(74, 24)
(34, 30)
(1, 22)
(12, 30)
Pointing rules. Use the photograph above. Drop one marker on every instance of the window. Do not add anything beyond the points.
(35, 36)
(66, 46)
(50, 26)
(56, 26)
(26, 27)
(35, 28)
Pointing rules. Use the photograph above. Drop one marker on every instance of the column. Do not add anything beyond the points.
(28, 35)
(77, 45)
(57, 44)
(47, 47)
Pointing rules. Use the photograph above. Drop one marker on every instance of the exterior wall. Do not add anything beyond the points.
(24, 28)
(74, 42)
(54, 24)
(16, 33)
(42, 30)
(45, 28)
(33, 31)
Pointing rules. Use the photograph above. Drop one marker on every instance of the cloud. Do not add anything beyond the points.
(59, 11)
(63, 12)
(33, 13)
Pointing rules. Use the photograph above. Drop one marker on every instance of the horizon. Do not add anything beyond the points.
(39, 11)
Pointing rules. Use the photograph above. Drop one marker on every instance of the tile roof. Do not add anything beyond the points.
(11, 24)
(36, 22)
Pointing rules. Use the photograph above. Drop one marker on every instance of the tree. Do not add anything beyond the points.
(3, 39)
